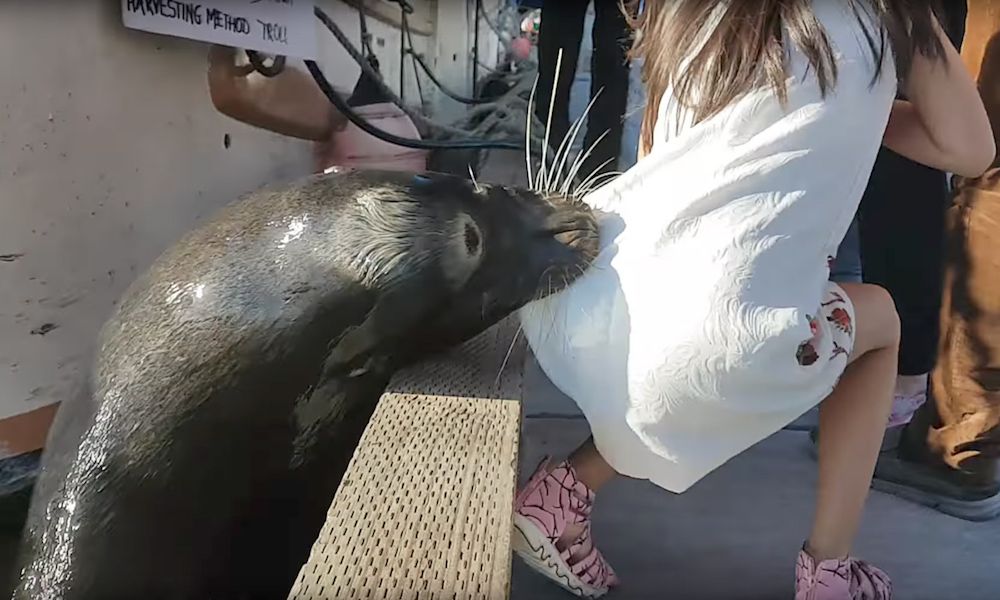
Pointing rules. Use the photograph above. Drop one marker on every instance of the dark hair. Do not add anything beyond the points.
(746, 50)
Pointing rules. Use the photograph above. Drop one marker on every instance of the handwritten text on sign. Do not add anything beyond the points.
(272, 26)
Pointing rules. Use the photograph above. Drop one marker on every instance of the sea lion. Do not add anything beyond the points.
(236, 376)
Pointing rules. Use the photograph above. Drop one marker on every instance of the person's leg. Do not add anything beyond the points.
(902, 242)
(590, 466)
(852, 423)
(846, 268)
(966, 384)
(902, 237)
(948, 455)
(552, 532)
(609, 72)
(561, 29)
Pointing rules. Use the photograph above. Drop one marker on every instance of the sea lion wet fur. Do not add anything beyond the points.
(236, 376)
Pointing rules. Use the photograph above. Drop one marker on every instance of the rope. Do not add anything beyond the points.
(409, 41)
(447, 92)
(461, 142)
(420, 120)
(489, 118)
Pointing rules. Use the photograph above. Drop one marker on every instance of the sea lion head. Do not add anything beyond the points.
(450, 257)
(506, 247)
(531, 245)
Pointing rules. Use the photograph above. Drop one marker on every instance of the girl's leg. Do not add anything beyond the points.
(852, 424)
(590, 466)
(552, 530)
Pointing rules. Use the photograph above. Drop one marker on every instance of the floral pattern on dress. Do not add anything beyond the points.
(841, 319)
(839, 316)
(835, 297)
(836, 310)
(806, 354)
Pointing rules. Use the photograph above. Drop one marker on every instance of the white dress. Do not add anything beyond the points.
(707, 322)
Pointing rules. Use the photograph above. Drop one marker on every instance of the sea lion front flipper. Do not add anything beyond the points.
(394, 313)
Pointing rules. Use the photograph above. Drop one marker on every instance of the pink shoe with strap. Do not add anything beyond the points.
(552, 532)
(839, 579)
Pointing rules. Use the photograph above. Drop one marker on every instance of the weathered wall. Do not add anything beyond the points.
(109, 151)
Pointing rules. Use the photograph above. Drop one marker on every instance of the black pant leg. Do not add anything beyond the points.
(561, 28)
(609, 73)
(902, 248)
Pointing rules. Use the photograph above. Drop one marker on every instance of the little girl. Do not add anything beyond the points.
(707, 322)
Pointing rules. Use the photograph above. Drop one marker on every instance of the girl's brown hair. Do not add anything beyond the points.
(746, 50)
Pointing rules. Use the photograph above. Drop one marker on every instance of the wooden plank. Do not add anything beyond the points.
(424, 511)
(490, 366)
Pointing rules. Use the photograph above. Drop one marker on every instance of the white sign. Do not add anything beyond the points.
(273, 26)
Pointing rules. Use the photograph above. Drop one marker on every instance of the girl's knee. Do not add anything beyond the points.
(883, 318)
(877, 322)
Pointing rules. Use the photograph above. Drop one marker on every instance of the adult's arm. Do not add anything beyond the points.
(981, 53)
(942, 123)
(289, 103)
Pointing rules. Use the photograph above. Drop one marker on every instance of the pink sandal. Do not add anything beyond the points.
(552, 500)
(839, 579)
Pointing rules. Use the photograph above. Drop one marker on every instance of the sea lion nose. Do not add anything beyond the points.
(576, 232)
(569, 238)
(575, 222)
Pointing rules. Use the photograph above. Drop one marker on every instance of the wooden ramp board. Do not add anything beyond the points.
(424, 511)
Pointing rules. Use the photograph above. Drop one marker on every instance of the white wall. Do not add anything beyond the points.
(109, 151)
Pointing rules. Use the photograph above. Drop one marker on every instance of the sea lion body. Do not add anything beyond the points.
(236, 376)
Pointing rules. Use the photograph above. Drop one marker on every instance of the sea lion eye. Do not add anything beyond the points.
(472, 238)
(463, 254)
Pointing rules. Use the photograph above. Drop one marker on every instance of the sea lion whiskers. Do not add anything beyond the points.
(551, 177)
(561, 153)
(565, 339)
(543, 171)
(475, 183)
(546, 279)
(578, 163)
(559, 179)
(506, 358)
(596, 179)
(551, 318)
(529, 117)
